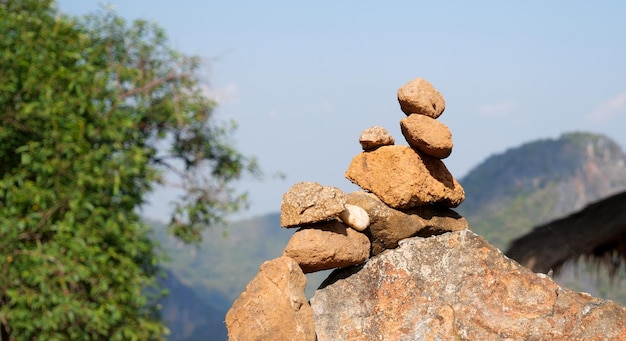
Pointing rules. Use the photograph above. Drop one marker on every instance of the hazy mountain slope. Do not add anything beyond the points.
(511, 192)
(189, 317)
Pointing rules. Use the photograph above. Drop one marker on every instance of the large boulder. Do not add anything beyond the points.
(456, 286)
(273, 306)
(404, 178)
(327, 245)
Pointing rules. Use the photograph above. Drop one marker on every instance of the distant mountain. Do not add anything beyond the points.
(513, 191)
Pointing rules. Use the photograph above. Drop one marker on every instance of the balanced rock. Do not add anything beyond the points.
(273, 306)
(389, 226)
(374, 137)
(427, 135)
(456, 286)
(420, 97)
(327, 245)
(309, 202)
(403, 178)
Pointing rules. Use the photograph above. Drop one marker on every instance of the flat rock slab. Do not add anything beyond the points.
(403, 178)
(456, 286)
(309, 202)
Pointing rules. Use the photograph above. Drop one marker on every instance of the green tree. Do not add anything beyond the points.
(93, 112)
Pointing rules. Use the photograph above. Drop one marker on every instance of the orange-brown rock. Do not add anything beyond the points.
(427, 135)
(389, 226)
(420, 97)
(273, 306)
(456, 286)
(309, 202)
(327, 245)
(374, 137)
(404, 178)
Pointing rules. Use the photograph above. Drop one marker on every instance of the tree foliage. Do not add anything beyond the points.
(93, 111)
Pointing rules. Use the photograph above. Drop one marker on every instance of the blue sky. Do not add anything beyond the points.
(303, 79)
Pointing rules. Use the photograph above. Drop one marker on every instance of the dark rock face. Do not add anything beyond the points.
(389, 226)
(599, 230)
(456, 286)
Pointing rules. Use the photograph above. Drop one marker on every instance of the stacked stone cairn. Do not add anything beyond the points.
(407, 192)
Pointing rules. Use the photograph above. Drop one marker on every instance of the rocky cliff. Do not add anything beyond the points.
(410, 267)
(511, 192)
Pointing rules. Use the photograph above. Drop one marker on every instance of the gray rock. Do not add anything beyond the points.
(456, 286)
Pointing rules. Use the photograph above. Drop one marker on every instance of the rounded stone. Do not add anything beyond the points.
(355, 217)
(420, 97)
(427, 135)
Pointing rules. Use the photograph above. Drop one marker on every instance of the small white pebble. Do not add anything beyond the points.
(355, 217)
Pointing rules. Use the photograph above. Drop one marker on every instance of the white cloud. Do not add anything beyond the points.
(608, 109)
(224, 95)
(496, 109)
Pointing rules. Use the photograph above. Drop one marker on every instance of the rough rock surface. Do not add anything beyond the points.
(327, 245)
(273, 306)
(420, 97)
(309, 202)
(427, 135)
(374, 137)
(389, 226)
(404, 178)
(456, 286)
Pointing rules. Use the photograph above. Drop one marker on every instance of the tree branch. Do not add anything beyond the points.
(151, 85)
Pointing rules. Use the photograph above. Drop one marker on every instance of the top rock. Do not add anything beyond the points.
(420, 97)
